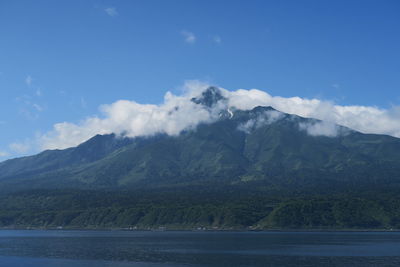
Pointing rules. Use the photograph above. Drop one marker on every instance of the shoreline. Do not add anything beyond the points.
(105, 229)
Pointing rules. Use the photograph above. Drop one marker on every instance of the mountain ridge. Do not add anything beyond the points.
(242, 169)
(239, 147)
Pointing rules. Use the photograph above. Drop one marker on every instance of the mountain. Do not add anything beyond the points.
(260, 146)
(243, 164)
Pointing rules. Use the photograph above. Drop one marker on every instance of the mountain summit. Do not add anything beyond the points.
(210, 97)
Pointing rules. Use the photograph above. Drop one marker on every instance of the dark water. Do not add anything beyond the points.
(136, 248)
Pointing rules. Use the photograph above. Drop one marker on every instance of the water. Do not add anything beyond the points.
(153, 249)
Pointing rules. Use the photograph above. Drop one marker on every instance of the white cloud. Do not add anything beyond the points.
(178, 113)
(3, 154)
(111, 11)
(320, 128)
(365, 119)
(265, 118)
(20, 148)
(189, 37)
(132, 119)
(28, 80)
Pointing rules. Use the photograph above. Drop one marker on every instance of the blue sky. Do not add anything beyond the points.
(61, 60)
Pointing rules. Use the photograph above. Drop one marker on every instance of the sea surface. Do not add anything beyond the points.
(28, 248)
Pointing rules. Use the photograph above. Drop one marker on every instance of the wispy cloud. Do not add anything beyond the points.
(322, 128)
(28, 106)
(37, 107)
(83, 103)
(20, 148)
(111, 11)
(265, 118)
(28, 80)
(3, 154)
(189, 37)
(217, 39)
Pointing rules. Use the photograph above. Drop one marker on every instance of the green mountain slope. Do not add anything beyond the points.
(277, 154)
(259, 168)
(50, 160)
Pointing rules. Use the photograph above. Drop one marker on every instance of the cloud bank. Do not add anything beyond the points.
(365, 119)
(178, 113)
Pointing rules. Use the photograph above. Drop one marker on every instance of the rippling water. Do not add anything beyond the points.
(136, 248)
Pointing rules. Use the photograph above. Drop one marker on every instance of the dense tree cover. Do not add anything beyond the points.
(192, 209)
(331, 213)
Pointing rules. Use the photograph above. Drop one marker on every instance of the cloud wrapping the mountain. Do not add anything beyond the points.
(262, 119)
(321, 128)
(132, 119)
(179, 113)
(360, 118)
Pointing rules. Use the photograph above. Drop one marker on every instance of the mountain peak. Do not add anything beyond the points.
(211, 96)
(259, 109)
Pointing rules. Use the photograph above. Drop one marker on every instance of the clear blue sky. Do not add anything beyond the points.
(60, 60)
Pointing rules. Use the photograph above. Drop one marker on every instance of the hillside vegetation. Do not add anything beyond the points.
(256, 168)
